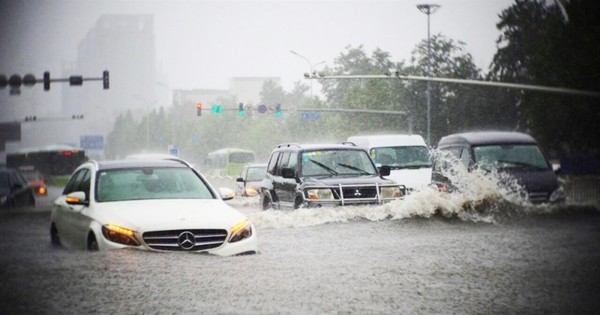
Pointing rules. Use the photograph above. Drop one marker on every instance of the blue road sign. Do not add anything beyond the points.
(311, 116)
(95, 142)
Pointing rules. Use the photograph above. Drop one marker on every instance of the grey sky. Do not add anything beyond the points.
(202, 44)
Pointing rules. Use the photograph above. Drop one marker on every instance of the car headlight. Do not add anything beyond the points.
(121, 235)
(251, 192)
(319, 194)
(390, 192)
(558, 195)
(240, 231)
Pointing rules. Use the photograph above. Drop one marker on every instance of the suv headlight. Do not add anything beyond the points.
(121, 235)
(240, 231)
(319, 194)
(390, 192)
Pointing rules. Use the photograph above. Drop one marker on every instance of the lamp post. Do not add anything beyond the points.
(428, 9)
(311, 67)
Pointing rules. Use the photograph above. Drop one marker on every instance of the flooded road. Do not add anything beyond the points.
(361, 260)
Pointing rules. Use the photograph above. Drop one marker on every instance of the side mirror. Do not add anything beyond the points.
(239, 180)
(77, 198)
(385, 170)
(226, 193)
(287, 173)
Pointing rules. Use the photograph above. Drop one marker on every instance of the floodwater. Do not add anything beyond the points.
(429, 253)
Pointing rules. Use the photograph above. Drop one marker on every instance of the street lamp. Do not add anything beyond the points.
(428, 9)
(311, 67)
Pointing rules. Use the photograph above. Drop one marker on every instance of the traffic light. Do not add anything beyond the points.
(216, 109)
(46, 81)
(105, 81)
(241, 109)
(199, 108)
(278, 110)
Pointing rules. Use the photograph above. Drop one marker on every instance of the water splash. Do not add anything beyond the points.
(481, 196)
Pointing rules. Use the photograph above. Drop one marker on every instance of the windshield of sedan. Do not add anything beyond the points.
(401, 157)
(336, 162)
(510, 157)
(150, 183)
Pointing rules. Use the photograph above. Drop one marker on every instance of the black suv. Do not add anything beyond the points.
(325, 175)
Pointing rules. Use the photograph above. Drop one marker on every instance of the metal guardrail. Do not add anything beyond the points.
(582, 190)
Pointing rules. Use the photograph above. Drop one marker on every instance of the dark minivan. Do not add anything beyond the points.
(513, 153)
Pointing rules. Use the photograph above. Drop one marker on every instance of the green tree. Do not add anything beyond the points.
(553, 44)
(454, 107)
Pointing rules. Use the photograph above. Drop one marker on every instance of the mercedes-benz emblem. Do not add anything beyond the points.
(357, 193)
(186, 240)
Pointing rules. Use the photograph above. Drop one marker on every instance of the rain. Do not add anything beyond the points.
(122, 79)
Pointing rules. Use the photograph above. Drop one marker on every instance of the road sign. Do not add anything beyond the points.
(262, 108)
(93, 142)
(311, 116)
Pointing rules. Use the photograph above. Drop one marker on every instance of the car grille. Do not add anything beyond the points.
(356, 192)
(538, 197)
(172, 240)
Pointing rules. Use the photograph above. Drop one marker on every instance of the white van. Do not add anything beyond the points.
(407, 156)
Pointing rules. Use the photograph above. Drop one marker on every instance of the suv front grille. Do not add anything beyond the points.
(175, 240)
(354, 194)
(359, 192)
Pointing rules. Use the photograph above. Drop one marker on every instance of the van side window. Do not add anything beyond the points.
(465, 157)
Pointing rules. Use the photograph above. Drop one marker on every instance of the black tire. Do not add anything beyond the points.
(92, 242)
(266, 202)
(54, 239)
(298, 203)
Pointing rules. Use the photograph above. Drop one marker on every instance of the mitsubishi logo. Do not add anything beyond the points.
(186, 240)
(357, 193)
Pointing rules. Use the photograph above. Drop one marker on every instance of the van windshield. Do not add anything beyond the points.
(510, 157)
(401, 157)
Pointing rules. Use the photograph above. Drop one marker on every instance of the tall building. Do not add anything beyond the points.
(125, 46)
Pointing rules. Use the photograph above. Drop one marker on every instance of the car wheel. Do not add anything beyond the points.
(54, 240)
(92, 243)
(266, 202)
(298, 203)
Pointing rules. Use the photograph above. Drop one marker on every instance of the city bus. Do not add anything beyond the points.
(49, 161)
(228, 162)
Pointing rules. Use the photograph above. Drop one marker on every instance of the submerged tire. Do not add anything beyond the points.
(266, 202)
(54, 239)
(92, 243)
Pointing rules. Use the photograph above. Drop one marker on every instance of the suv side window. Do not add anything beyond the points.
(273, 163)
(283, 162)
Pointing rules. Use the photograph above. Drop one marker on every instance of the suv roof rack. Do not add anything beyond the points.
(287, 145)
(349, 143)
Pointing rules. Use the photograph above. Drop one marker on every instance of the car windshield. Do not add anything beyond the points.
(150, 183)
(336, 162)
(256, 174)
(401, 157)
(510, 157)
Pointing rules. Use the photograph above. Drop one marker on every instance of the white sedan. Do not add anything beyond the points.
(160, 205)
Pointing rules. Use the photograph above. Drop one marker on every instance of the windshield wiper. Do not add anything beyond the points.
(354, 168)
(520, 164)
(327, 168)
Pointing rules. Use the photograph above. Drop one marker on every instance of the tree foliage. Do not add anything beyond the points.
(553, 44)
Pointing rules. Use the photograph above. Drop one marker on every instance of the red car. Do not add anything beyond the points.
(37, 181)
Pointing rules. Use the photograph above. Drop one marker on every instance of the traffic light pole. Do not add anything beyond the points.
(15, 81)
(397, 75)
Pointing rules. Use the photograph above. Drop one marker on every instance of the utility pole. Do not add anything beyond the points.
(428, 9)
